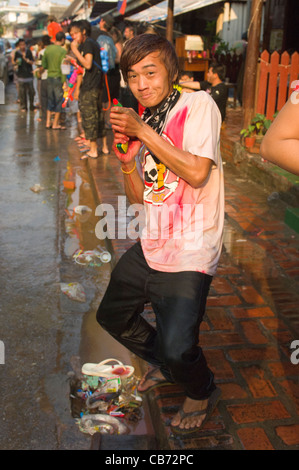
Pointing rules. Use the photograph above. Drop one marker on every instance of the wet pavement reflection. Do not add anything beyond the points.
(42, 329)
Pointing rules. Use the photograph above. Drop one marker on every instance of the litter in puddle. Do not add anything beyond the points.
(37, 188)
(81, 209)
(91, 257)
(74, 291)
(69, 184)
(105, 404)
(273, 196)
(104, 424)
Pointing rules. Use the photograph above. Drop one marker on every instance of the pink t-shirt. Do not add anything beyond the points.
(184, 225)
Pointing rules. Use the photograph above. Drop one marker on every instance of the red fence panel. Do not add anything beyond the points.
(263, 82)
(294, 74)
(283, 80)
(274, 86)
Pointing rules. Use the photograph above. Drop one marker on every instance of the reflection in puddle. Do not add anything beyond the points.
(242, 250)
(80, 238)
(81, 221)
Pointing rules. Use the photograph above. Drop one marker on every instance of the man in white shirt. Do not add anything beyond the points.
(181, 188)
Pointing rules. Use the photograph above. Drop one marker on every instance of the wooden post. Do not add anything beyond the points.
(169, 21)
(252, 55)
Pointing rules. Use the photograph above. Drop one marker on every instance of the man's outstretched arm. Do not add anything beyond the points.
(281, 143)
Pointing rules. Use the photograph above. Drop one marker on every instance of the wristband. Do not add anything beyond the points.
(128, 172)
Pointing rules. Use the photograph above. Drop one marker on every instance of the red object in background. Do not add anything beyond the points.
(69, 184)
(53, 28)
(121, 6)
(140, 109)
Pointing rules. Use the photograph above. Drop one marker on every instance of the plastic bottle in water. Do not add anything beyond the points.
(104, 60)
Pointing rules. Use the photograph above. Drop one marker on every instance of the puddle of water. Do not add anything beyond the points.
(79, 233)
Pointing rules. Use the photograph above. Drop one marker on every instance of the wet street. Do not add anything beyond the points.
(43, 331)
(252, 314)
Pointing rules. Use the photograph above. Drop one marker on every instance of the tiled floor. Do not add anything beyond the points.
(251, 320)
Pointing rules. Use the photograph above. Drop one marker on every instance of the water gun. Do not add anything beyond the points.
(122, 148)
(104, 59)
(72, 82)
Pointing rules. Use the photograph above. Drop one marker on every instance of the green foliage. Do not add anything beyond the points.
(222, 47)
(261, 124)
(258, 126)
(248, 132)
(210, 37)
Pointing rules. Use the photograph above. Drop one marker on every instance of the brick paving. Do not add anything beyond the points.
(251, 319)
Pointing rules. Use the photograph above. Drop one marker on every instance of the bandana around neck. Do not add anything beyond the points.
(158, 119)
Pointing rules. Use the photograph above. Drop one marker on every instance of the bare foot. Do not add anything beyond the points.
(89, 155)
(190, 406)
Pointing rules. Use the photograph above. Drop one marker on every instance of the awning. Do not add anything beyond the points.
(72, 9)
(100, 8)
(159, 12)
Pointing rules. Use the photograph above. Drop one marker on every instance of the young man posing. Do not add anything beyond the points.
(87, 52)
(177, 141)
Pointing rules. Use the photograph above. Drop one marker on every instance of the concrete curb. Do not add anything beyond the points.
(116, 249)
(267, 174)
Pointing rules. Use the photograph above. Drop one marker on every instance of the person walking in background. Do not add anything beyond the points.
(53, 28)
(51, 61)
(15, 69)
(45, 40)
(118, 42)
(127, 98)
(36, 71)
(87, 52)
(129, 32)
(24, 61)
(112, 85)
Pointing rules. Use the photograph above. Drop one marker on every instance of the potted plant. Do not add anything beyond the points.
(249, 135)
(261, 124)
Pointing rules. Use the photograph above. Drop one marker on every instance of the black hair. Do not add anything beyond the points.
(188, 73)
(140, 46)
(46, 40)
(82, 25)
(60, 36)
(219, 69)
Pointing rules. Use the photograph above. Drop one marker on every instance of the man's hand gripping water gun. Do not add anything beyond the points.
(125, 122)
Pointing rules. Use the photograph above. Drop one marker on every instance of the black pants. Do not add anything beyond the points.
(26, 91)
(44, 98)
(178, 300)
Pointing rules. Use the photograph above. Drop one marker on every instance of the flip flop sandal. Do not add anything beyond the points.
(212, 403)
(103, 369)
(93, 158)
(159, 382)
(86, 156)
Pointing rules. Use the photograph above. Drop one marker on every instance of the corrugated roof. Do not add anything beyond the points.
(100, 8)
(159, 12)
(72, 8)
